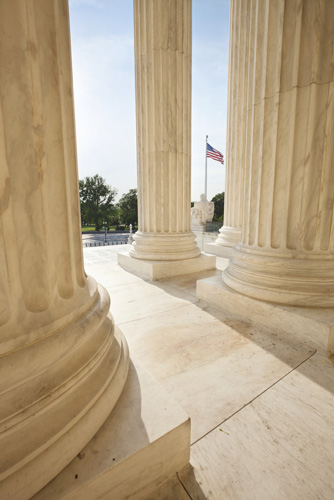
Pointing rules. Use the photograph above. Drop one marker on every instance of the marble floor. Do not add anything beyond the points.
(261, 402)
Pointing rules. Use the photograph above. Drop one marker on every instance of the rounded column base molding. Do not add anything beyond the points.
(296, 280)
(164, 246)
(47, 419)
(229, 236)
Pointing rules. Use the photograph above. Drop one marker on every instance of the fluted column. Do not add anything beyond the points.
(287, 249)
(62, 368)
(163, 106)
(230, 233)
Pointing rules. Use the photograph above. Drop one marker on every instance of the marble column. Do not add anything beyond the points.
(163, 106)
(287, 250)
(230, 233)
(62, 366)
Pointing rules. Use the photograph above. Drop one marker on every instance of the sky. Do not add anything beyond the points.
(104, 91)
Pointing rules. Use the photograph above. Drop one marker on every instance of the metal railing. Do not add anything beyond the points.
(103, 243)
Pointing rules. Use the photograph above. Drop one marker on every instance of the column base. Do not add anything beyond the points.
(156, 270)
(283, 278)
(71, 381)
(218, 250)
(164, 246)
(313, 325)
(229, 236)
(145, 441)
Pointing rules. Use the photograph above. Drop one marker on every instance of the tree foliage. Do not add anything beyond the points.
(128, 208)
(219, 206)
(96, 201)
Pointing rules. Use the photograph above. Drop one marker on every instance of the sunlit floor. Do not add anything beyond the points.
(261, 403)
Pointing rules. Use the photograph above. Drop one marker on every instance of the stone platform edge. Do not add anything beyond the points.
(144, 442)
(156, 270)
(219, 250)
(315, 326)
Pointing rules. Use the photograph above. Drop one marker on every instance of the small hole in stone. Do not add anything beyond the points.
(76, 476)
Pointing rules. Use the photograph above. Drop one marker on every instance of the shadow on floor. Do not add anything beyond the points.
(193, 488)
(277, 343)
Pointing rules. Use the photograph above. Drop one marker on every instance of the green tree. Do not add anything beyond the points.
(96, 201)
(128, 208)
(219, 207)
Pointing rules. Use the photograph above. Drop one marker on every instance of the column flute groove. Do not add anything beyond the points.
(230, 233)
(63, 364)
(287, 253)
(163, 85)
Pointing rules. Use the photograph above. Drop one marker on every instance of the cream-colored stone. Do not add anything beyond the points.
(107, 274)
(279, 446)
(133, 301)
(186, 282)
(164, 246)
(202, 238)
(308, 324)
(144, 442)
(238, 364)
(105, 257)
(201, 213)
(170, 490)
(211, 362)
(228, 237)
(219, 250)
(230, 233)
(62, 367)
(163, 103)
(222, 263)
(157, 270)
(287, 250)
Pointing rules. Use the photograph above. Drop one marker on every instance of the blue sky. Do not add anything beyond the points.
(104, 92)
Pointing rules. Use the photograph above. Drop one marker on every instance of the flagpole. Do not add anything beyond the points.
(206, 167)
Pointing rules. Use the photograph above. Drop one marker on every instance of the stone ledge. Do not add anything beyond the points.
(197, 229)
(219, 250)
(145, 441)
(156, 270)
(315, 326)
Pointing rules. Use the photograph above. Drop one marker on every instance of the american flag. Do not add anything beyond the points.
(214, 154)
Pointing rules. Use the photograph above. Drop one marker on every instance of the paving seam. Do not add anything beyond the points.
(154, 314)
(256, 397)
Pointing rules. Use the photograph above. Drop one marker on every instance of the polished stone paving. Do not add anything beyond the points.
(261, 402)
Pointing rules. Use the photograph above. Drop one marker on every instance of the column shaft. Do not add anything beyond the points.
(287, 249)
(62, 367)
(230, 233)
(163, 105)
